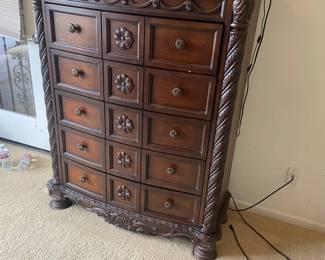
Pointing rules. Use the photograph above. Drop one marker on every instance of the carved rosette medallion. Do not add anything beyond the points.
(124, 124)
(123, 38)
(124, 160)
(124, 192)
(124, 84)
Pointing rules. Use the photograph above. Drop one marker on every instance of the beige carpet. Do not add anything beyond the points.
(29, 229)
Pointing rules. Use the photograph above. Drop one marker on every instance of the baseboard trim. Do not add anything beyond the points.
(301, 222)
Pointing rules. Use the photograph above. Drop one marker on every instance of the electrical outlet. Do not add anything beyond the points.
(291, 172)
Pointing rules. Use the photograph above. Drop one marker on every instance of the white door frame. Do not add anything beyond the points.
(26, 129)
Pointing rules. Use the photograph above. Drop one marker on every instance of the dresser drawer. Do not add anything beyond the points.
(183, 45)
(172, 172)
(122, 193)
(123, 37)
(176, 135)
(79, 74)
(123, 160)
(81, 113)
(84, 179)
(83, 148)
(124, 125)
(173, 206)
(123, 84)
(74, 29)
(179, 93)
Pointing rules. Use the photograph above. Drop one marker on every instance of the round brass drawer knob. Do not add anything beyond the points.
(171, 171)
(173, 133)
(72, 28)
(81, 147)
(180, 44)
(177, 92)
(82, 179)
(79, 112)
(76, 72)
(168, 204)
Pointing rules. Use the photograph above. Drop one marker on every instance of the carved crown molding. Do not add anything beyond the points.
(185, 5)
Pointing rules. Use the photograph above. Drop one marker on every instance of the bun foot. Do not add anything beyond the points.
(60, 203)
(205, 246)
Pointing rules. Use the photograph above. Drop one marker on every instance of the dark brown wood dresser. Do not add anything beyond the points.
(142, 102)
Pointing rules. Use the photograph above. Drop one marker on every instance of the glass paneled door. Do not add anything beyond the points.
(22, 107)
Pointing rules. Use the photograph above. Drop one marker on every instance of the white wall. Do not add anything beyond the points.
(284, 124)
(29, 22)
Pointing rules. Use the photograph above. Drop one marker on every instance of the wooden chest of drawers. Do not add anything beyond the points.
(141, 104)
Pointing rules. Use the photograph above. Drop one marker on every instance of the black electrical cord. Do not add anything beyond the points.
(258, 233)
(245, 209)
(254, 60)
(265, 198)
(238, 243)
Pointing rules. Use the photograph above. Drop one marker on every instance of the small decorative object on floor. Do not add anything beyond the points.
(25, 161)
(5, 159)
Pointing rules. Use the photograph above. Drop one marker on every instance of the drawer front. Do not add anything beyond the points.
(79, 74)
(176, 135)
(124, 125)
(123, 160)
(84, 179)
(174, 206)
(81, 113)
(123, 84)
(123, 37)
(74, 29)
(183, 45)
(172, 172)
(179, 93)
(122, 193)
(83, 148)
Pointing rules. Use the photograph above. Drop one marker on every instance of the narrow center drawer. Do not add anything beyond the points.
(123, 160)
(176, 135)
(80, 113)
(74, 29)
(84, 179)
(124, 124)
(123, 194)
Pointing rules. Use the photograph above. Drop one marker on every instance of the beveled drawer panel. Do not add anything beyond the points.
(123, 160)
(123, 124)
(183, 45)
(176, 135)
(123, 84)
(122, 193)
(80, 113)
(74, 29)
(123, 37)
(172, 172)
(174, 206)
(77, 73)
(179, 93)
(84, 179)
(84, 148)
